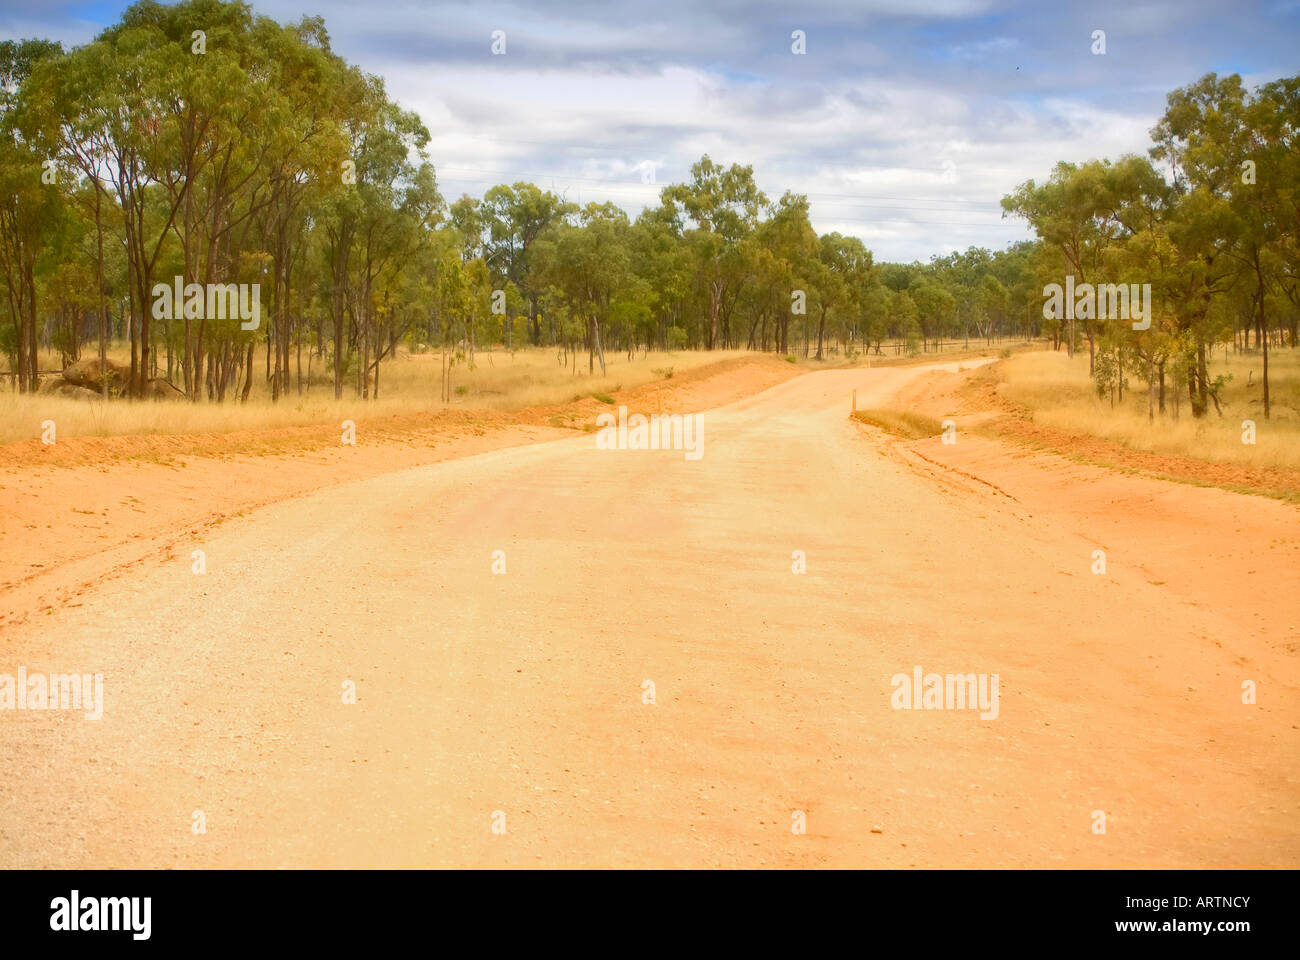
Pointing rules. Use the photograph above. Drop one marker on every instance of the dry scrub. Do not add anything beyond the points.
(409, 386)
(1057, 392)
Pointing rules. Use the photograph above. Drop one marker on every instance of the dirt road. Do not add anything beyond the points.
(517, 700)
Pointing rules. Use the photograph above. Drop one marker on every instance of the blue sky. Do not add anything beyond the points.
(905, 121)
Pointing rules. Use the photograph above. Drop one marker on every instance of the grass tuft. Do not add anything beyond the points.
(907, 424)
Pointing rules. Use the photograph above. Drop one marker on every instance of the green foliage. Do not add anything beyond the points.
(1217, 244)
(269, 159)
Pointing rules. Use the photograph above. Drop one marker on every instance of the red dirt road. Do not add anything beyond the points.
(517, 698)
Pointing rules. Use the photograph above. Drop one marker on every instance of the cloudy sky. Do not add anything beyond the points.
(905, 121)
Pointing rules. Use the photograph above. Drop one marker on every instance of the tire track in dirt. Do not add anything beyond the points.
(523, 692)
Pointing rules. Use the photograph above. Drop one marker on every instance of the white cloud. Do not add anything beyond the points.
(906, 121)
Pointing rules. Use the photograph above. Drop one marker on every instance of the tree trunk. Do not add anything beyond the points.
(1263, 328)
(248, 376)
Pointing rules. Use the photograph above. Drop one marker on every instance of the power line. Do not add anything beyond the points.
(627, 188)
(821, 214)
(623, 152)
(508, 174)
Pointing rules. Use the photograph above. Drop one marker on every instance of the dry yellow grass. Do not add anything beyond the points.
(1060, 394)
(907, 424)
(534, 377)
(409, 385)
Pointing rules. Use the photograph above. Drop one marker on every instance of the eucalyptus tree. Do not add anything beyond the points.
(305, 163)
(842, 266)
(874, 308)
(794, 253)
(589, 264)
(1082, 210)
(468, 221)
(1199, 139)
(936, 309)
(114, 102)
(30, 198)
(988, 307)
(399, 202)
(660, 258)
(513, 217)
(724, 206)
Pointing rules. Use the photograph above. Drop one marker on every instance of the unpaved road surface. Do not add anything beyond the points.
(517, 700)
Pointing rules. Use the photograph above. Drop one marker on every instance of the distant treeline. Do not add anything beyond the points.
(200, 141)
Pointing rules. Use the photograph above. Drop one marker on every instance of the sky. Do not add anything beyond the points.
(904, 121)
